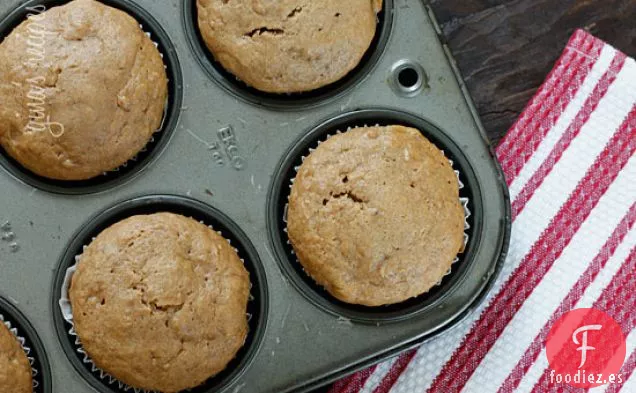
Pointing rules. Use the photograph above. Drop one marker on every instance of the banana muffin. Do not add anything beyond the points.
(374, 215)
(15, 370)
(288, 46)
(160, 302)
(82, 90)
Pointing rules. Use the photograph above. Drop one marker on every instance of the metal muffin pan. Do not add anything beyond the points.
(224, 157)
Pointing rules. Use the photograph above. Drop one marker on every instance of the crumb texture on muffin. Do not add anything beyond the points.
(15, 370)
(160, 302)
(374, 215)
(82, 90)
(288, 46)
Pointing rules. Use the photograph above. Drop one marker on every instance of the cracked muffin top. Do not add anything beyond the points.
(288, 46)
(82, 90)
(160, 302)
(15, 369)
(374, 215)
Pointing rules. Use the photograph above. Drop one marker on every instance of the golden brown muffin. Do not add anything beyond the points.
(288, 46)
(160, 302)
(374, 215)
(15, 370)
(82, 90)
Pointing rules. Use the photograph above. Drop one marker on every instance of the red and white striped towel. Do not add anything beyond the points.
(569, 161)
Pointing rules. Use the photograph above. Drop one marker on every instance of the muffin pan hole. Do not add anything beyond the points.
(293, 101)
(408, 78)
(278, 199)
(10, 315)
(160, 138)
(257, 307)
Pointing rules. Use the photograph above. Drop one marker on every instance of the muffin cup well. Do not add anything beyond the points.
(31, 344)
(470, 197)
(463, 200)
(157, 142)
(292, 101)
(257, 305)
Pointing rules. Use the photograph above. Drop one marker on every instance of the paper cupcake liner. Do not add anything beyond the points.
(14, 330)
(67, 313)
(462, 199)
(134, 159)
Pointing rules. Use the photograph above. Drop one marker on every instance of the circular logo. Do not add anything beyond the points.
(585, 348)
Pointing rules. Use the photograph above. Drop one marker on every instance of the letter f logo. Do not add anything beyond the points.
(584, 347)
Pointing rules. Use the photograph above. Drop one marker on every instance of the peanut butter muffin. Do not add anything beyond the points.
(160, 302)
(15, 370)
(374, 215)
(82, 90)
(288, 46)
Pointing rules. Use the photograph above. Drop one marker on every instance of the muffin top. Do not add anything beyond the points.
(82, 90)
(160, 302)
(15, 370)
(374, 215)
(288, 46)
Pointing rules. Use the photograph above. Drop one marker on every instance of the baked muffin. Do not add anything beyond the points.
(15, 370)
(160, 302)
(374, 215)
(288, 46)
(82, 90)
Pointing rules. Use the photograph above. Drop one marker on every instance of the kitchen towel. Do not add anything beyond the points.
(569, 162)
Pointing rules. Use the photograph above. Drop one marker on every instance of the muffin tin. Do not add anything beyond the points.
(225, 155)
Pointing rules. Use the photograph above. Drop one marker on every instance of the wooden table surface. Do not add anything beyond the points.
(506, 48)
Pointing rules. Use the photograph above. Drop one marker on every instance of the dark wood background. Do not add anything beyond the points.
(506, 48)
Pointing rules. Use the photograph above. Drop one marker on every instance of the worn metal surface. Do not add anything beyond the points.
(224, 152)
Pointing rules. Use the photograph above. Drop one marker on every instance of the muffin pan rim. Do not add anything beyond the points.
(294, 101)
(159, 140)
(102, 220)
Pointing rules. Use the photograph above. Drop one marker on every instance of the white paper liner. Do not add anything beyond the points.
(463, 200)
(27, 350)
(163, 118)
(67, 313)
